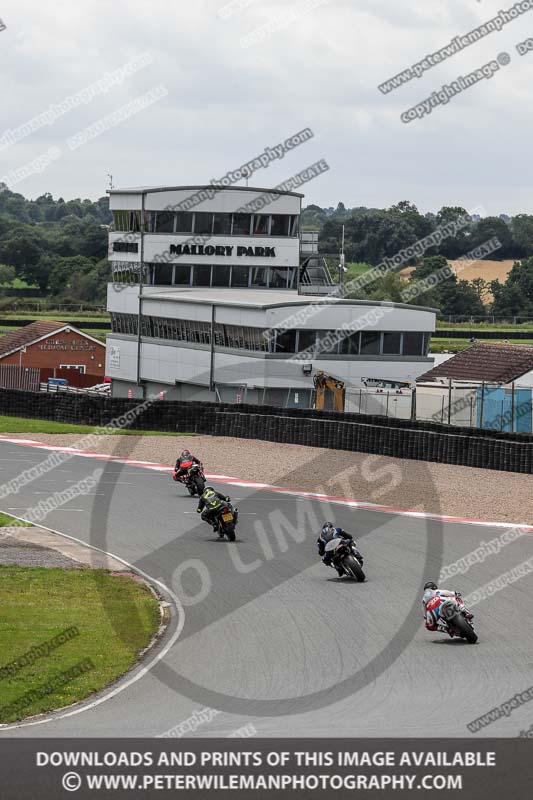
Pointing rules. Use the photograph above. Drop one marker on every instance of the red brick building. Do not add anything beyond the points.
(58, 349)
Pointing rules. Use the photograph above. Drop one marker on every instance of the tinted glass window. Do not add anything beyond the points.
(261, 222)
(327, 342)
(259, 276)
(182, 274)
(278, 278)
(350, 344)
(392, 343)
(286, 342)
(222, 223)
(163, 274)
(201, 275)
(306, 340)
(184, 222)
(279, 225)
(203, 222)
(164, 222)
(412, 343)
(220, 276)
(239, 276)
(370, 342)
(241, 224)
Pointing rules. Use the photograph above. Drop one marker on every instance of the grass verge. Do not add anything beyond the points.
(6, 520)
(115, 618)
(24, 425)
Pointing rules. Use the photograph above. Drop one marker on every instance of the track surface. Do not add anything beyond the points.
(273, 639)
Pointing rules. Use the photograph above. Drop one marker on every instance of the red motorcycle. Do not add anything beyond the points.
(194, 478)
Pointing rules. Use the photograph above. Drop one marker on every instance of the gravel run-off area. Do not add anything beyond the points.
(400, 483)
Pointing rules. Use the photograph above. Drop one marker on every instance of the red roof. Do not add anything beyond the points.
(496, 363)
(28, 334)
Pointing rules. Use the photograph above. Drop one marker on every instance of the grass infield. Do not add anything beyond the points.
(24, 425)
(67, 633)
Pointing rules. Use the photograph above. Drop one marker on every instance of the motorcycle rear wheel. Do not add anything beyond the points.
(352, 566)
(462, 627)
(230, 531)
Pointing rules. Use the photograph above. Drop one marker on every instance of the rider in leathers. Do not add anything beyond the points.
(329, 532)
(431, 622)
(187, 458)
(210, 504)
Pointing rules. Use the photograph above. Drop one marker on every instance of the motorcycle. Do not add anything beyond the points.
(451, 616)
(194, 478)
(225, 522)
(346, 556)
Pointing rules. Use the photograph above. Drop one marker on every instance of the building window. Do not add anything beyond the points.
(294, 225)
(327, 343)
(241, 224)
(182, 275)
(306, 341)
(259, 278)
(220, 275)
(370, 343)
(222, 224)
(286, 342)
(163, 274)
(413, 343)
(392, 343)
(201, 275)
(80, 367)
(261, 225)
(184, 222)
(279, 225)
(278, 278)
(350, 344)
(203, 222)
(164, 222)
(239, 276)
(121, 220)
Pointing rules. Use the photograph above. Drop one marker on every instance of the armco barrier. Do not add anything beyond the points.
(421, 441)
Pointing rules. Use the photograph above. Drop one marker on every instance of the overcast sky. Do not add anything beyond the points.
(225, 102)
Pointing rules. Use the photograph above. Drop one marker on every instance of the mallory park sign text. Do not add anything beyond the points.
(221, 250)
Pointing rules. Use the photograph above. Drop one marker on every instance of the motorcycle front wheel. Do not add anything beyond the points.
(353, 568)
(200, 485)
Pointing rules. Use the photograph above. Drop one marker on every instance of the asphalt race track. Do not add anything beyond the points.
(269, 636)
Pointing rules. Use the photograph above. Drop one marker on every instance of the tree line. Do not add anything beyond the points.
(372, 234)
(59, 246)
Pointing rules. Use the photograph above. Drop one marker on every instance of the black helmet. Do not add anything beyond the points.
(209, 489)
(430, 585)
(186, 454)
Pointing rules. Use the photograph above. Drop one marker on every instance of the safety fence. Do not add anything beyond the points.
(422, 441)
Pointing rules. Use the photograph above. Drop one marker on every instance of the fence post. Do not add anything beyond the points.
(471, 411)
(387, 406)
(413, 403)
(442, 411)
(512, 406)
(482, 404)
(449, 401)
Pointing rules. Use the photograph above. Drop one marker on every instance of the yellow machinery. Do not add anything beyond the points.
(326, 385)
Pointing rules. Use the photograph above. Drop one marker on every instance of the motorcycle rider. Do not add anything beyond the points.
(432, 590)
(210, 504)
(185, 460)
(329, 532)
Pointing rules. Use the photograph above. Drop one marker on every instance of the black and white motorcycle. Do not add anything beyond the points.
(345, 556)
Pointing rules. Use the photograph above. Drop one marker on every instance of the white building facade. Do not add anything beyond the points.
(219, 315)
